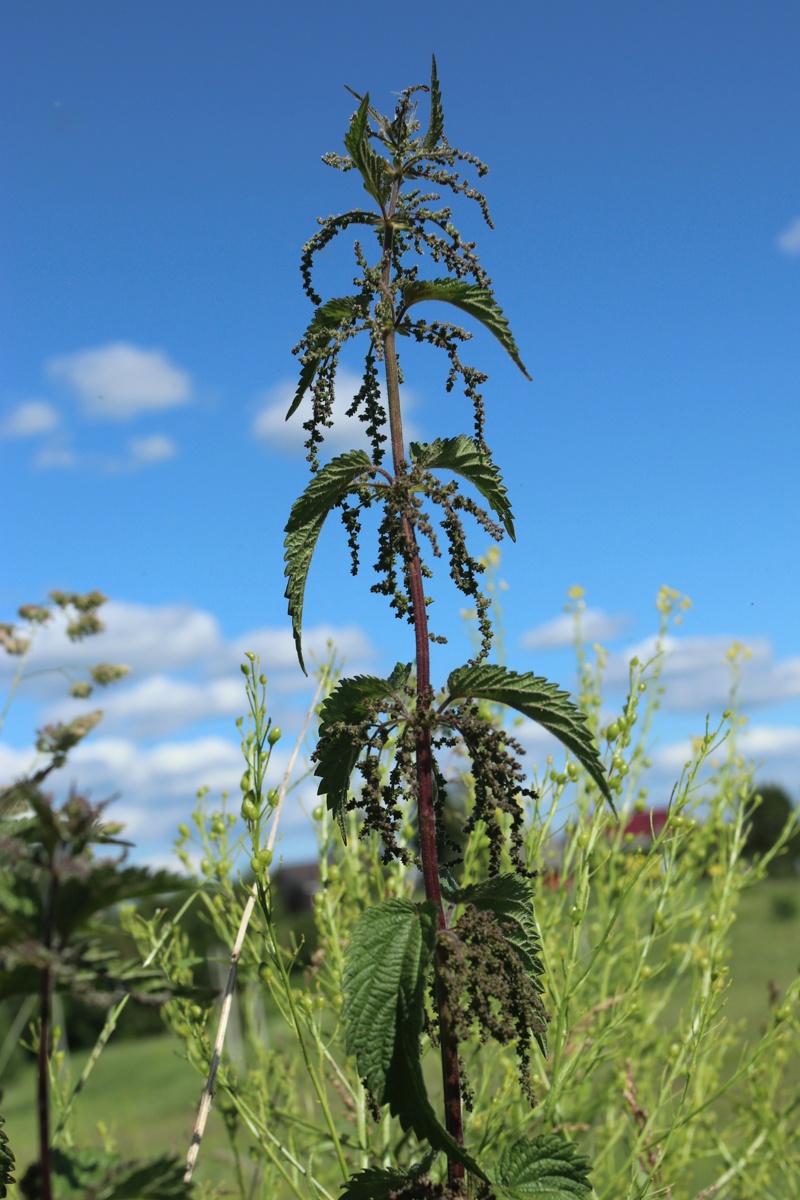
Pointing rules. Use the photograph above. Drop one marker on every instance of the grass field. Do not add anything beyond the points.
(146, 1094)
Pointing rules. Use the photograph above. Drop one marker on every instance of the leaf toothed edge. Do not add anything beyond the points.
(464, 456)
(543, 1168)
(541, 701)
(476, 301)
(386, 966)
(330, 485)
(337, 751)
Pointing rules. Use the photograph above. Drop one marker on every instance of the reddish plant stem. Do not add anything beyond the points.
(425, 807)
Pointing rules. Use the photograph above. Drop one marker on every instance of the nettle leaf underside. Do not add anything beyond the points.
(436, 126)
(541, 701)
(464, 456)
(371, 166)
(472, 299)
(543, 1168)
(327, 488)
(329, 320)
(338, 751)
(385, 976)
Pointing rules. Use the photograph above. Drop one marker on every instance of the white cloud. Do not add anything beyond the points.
(789, 240)
(121, 381)
(58, 456)
(596, 626)
(697, 672)
(157, 786)
(347, 433)
(182, 670)
(156, 448)
(30, 419)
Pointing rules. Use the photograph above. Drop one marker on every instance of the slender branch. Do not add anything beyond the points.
(227, 1000)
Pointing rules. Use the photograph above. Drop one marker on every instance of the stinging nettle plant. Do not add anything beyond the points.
(462, 959)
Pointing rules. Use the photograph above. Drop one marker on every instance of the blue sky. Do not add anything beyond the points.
(161, 173)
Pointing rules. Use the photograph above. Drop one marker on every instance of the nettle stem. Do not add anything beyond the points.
(425, 809)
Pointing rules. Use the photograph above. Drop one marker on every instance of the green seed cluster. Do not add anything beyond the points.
(488, 987)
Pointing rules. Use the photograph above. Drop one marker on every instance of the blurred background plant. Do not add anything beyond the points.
(55, 937)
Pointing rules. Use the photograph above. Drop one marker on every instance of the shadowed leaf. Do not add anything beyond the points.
(371, 166)
(337, 749)
(436, 127)
(476, 301)
(463, 455)
(543, 702)
(330, 485)
(329, 319)
(390, 950)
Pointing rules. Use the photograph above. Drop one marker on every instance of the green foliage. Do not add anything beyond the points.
(510, 898)
(350, 704)
(541, 701)
(99, 1175)
(475, 301)
(465, 457)
(546, 1167)
(6, 1162)
(324, 492)
(390, 950)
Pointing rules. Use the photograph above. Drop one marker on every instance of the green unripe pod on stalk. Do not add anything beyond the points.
(261, 861)
(274, 735)
(273, 796)
(249, 807)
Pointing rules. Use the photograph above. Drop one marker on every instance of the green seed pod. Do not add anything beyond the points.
(274, 735)
(273, 796)
(183, 830)
(612, 733)
(318, 813)
(249, 808)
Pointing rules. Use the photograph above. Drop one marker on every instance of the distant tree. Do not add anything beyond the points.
(769, 808)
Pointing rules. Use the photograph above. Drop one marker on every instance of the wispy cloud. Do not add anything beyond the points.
(789, 240)
(154, 449)
(596, 626)
(121, 381)
(58, 455)
(271, 428)
(32, 418)
(697, 672)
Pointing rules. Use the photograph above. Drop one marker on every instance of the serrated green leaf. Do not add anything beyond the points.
(463, 455)
(6, 1162)
(510, 898)
(330, 485)
(436, 126)
(476, 301)
(377, 1183)
(329, 319)
(371, 166)
(545, 1167)
(390, 950)
(541, 701)
(337, 752)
